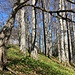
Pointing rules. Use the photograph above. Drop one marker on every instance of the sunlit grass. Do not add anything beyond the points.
(28, 66)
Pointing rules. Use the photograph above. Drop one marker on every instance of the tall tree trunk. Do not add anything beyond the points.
(69, 37)
(62, 34)
(59, 48)
(49, 45)
(44, 31)
(34, 53)
(23, 35)
(66, 42)
(71, 25)
(65, 36)
(59, 41)
(73, 40)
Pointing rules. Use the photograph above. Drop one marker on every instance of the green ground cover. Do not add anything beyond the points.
(28, 66)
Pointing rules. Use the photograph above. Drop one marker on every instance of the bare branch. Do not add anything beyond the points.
(48, 11)
(71, 1)
(43, 9)
(64, 18)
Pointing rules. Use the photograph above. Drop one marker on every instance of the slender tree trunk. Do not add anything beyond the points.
(72, 37)
(42, 48)
(69, 38)
(49, 45)
(65, 36)
(66, 42)
(39, 43)
(34, 53)
(23, 35)
(62, 34)
(59, 50)
(73, 40)
(44, 31)
(19, 35)
(59, 42)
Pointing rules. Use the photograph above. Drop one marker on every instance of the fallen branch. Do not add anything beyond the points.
(9, 69)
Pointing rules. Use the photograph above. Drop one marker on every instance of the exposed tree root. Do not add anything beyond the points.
(9, 69)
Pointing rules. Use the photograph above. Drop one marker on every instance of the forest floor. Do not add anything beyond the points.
(20, 65)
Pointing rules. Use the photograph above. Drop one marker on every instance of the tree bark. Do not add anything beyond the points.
(44, 31)
(49, 41)
(62, 34)
(34, 53)
(23, 31)
(65, 35)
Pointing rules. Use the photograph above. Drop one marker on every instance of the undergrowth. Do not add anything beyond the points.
(28, 66)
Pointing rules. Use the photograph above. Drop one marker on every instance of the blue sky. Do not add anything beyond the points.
(5, 10)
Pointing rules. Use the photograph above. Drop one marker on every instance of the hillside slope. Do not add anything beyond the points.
(27, 66)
